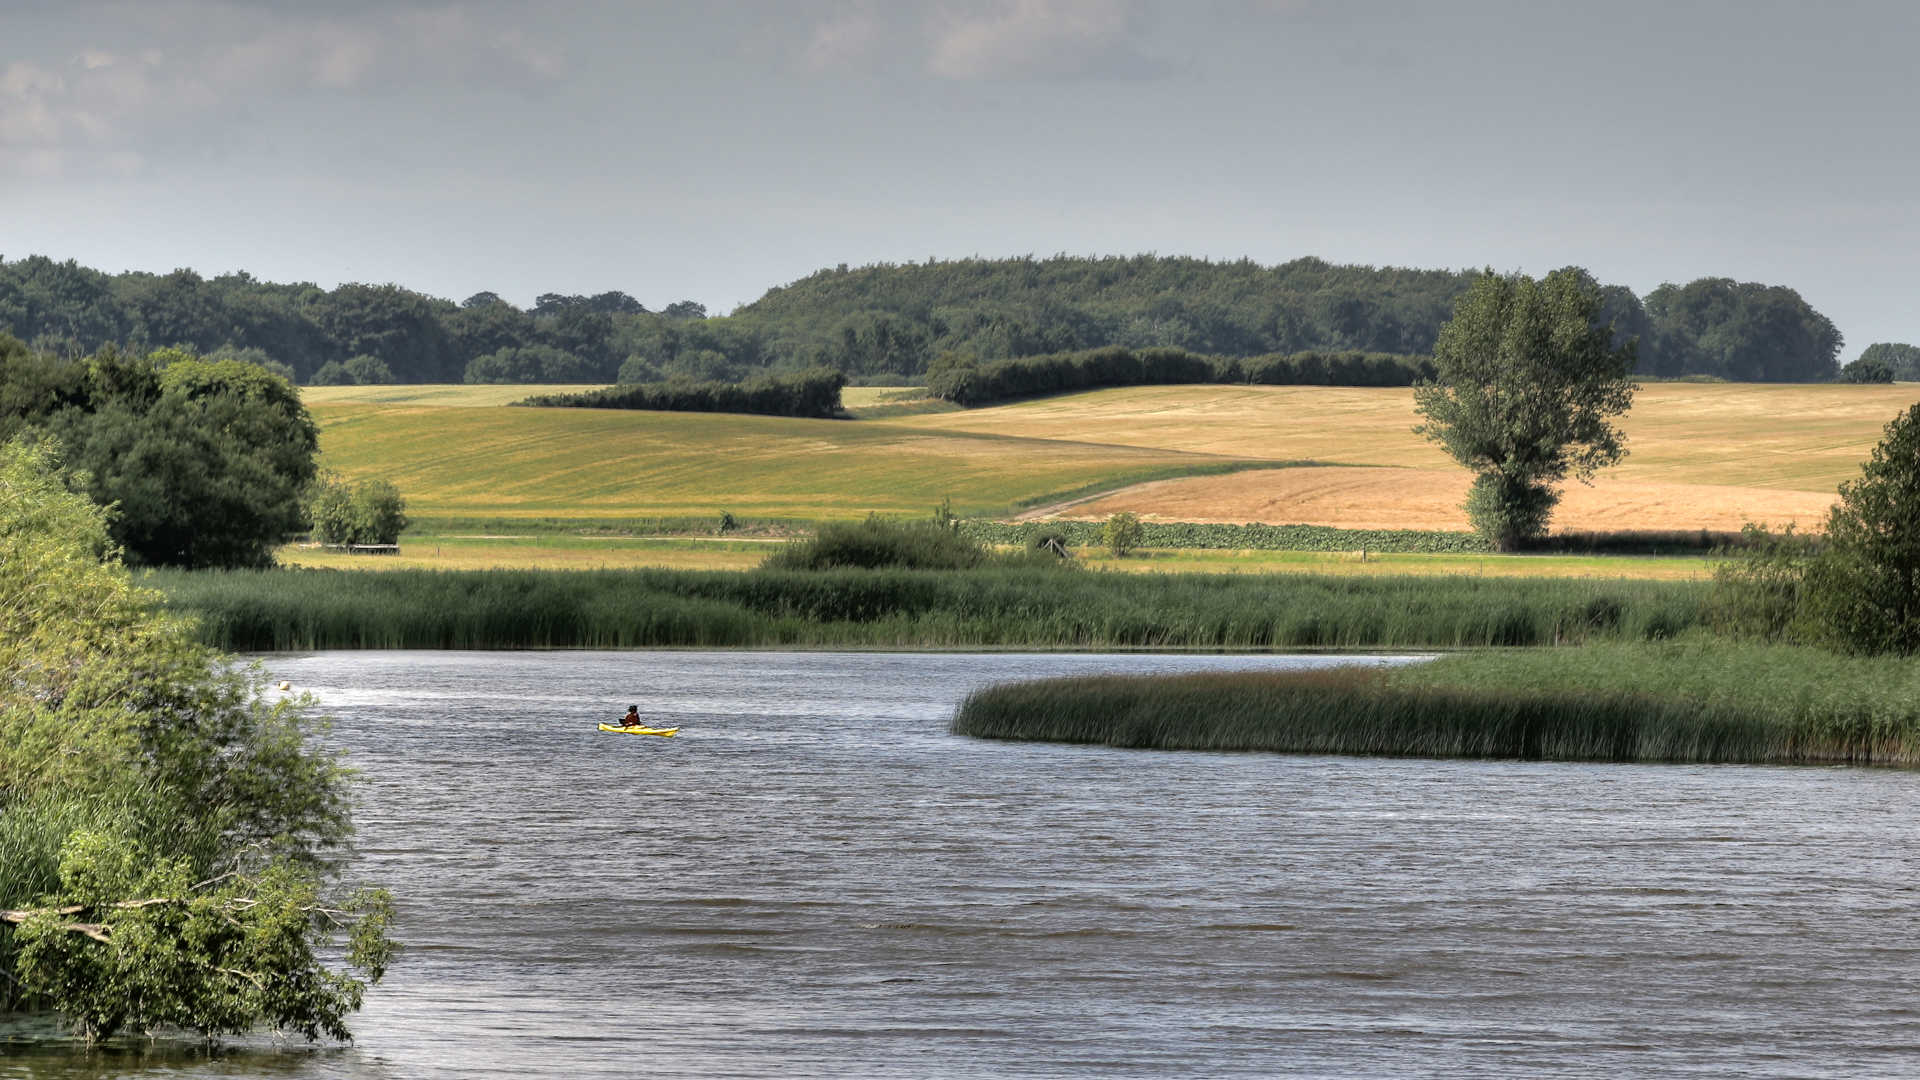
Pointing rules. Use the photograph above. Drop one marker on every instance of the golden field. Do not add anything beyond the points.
(1700, 456)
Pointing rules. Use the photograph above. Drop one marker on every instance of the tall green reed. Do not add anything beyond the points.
(1695, 701)
(989, 607)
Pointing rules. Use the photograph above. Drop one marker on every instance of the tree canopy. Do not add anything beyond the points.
(205, 462)
(876, 322)
(1740, 331)
(1864, 587)
(1526, 386)
(162, 822)
(1900, 360)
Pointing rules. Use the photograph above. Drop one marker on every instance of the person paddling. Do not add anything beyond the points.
(632, 719)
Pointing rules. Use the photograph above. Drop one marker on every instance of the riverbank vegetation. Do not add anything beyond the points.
(1698, 700)
(1723, 694)
(982, 608)
(168, 829)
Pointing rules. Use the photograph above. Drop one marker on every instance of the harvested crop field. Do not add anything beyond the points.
(1796, 437)
(1701, 456)
(1378, 498)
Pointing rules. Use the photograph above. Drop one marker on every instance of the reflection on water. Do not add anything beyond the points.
(816, 879)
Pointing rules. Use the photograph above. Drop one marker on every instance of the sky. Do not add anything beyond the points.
(710, 151)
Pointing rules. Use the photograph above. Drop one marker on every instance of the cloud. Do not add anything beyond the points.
(100, 103)
(848, 37)
(968, 40)
(1039, 38)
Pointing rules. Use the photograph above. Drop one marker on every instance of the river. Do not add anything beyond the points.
(816, 879)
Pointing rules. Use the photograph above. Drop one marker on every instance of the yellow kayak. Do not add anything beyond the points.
(636, 729)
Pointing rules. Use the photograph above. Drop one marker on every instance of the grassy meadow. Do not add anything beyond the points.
(460, 461)
(546, 550)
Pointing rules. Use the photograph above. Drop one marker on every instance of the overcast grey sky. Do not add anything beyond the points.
(712, 150)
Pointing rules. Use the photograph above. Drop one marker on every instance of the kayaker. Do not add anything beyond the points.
(632, 719)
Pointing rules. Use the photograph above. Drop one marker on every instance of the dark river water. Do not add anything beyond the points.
(816, 879)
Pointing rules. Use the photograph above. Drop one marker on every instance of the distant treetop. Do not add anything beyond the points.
(884, 321)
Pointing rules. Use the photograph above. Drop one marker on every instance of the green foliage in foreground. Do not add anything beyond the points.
(162, 826)
(990, 607)
(1697, 700)
(215, 956)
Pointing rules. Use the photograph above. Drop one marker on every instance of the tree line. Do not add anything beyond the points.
(964, 381)
(813, 394)
(877, 323)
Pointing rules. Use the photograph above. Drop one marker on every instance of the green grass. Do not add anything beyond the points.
(607, 465)
(986, 608)
(1249, 537)
(693, 544)
(1695, 700)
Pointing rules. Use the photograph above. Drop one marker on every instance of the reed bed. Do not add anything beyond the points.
(273, 610)
(1697, 701)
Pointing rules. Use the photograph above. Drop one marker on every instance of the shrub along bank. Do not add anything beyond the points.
(1697, 701)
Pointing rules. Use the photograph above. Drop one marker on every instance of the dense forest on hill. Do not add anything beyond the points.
(875, 323)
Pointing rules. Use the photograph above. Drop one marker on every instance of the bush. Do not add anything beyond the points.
(369, 512)
(1867, 370)
(875, 544)
(1757, 590)
(1863, 591)
(1121, 534)
(369, 371)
